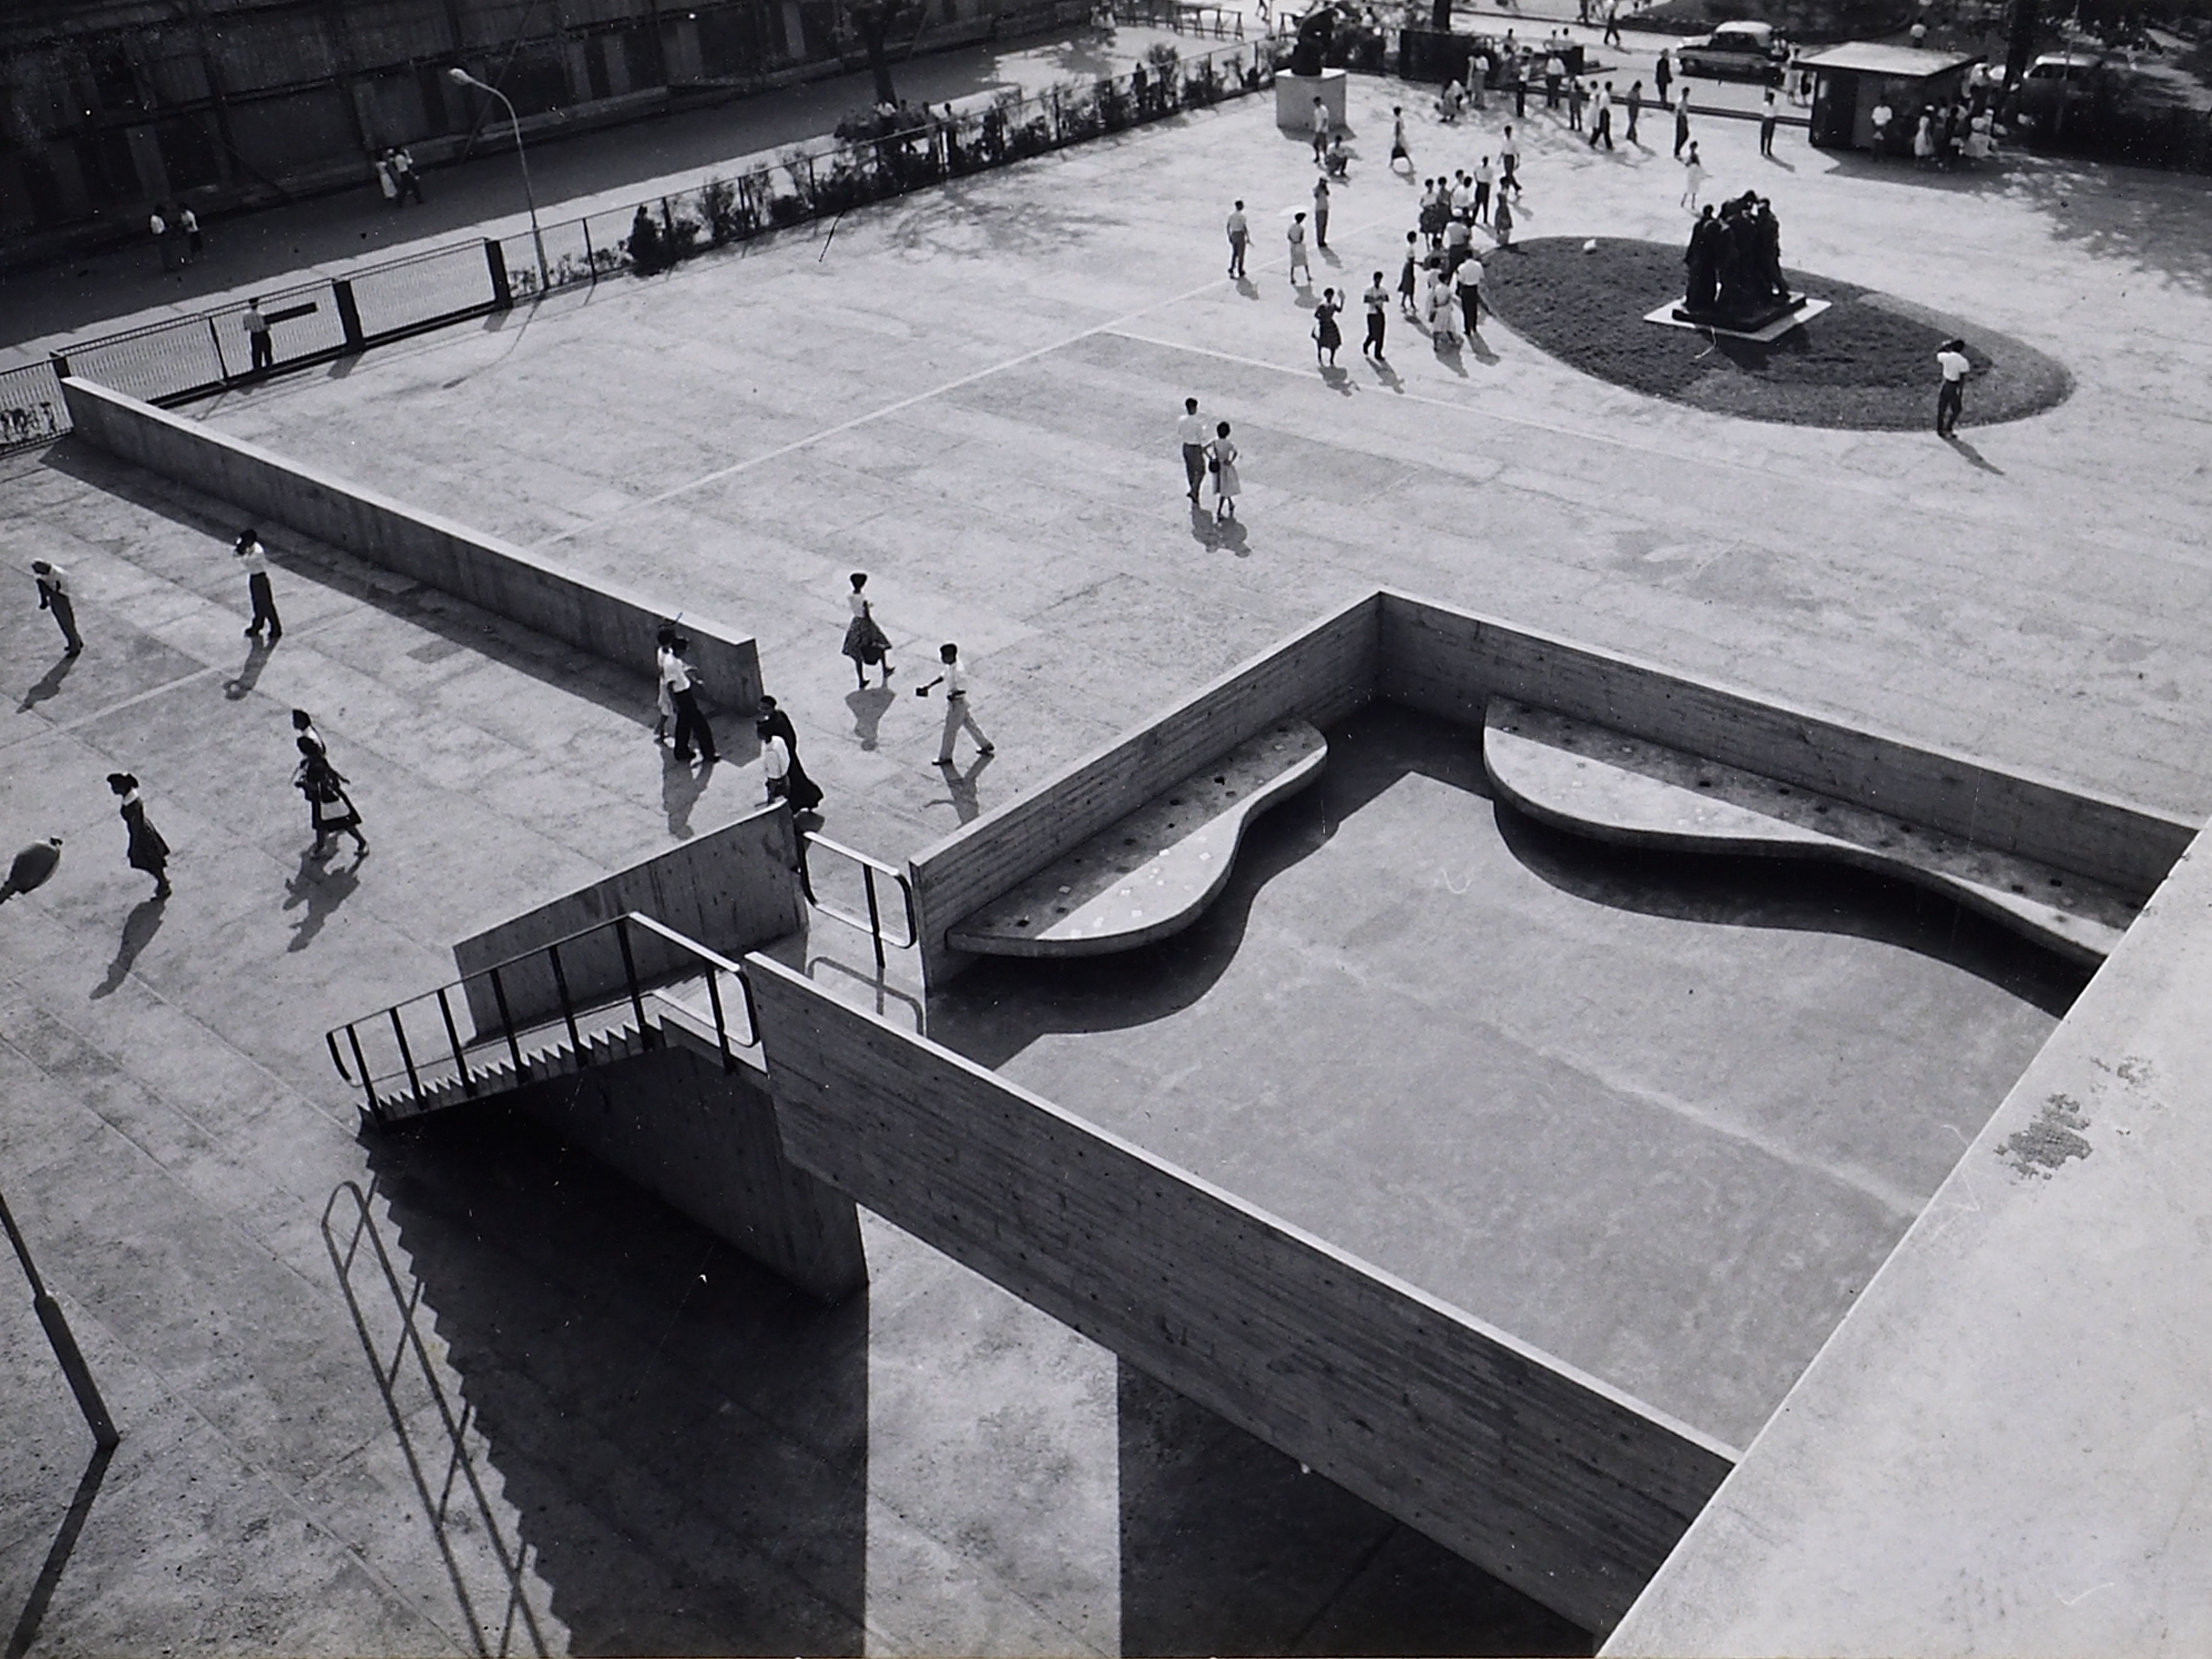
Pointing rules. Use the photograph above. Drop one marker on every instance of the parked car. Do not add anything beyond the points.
(1740, 50)
(2058, 89)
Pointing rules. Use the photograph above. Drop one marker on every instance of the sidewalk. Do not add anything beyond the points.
(606, 170)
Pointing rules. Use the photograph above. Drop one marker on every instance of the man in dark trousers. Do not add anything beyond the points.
(1377, 299)
(690, 724)
(256, 558)
(1950, 399)
(1191, 433)
(54, 596)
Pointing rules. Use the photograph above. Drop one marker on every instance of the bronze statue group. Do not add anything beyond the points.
(1733, 260)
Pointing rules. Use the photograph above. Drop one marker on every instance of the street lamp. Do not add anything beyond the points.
(461, 77)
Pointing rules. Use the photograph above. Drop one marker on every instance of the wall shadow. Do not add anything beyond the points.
(1228, 1548)
(304, 559)
(1001, 1005)
(678, 1439)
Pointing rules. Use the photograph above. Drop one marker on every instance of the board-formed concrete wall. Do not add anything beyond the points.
(704, 1140)
(1558, 1485)
(588, 613)
(1450, 662)
(730, 890)
(1323, 673)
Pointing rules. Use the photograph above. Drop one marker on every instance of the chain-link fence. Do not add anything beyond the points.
(190, 357)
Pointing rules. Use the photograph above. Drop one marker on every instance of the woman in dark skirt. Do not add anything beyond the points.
(147, 852)
(865, 642)
(329, 809)
(786, 778)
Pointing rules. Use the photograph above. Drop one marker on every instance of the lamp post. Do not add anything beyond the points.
(461, 77)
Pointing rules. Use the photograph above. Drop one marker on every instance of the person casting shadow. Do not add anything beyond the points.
(680, 789)
(1969, 453)
(241, 684)
(138, 930)
(961, 788)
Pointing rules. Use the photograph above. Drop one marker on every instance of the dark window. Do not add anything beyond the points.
(44, 190)
(188, 152)
(114, 83)
(595, 64)
(431, 79)
(538, 79)
(111, 175)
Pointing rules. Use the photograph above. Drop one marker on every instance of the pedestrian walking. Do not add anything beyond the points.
(1190, 433)
(256, 335)
(1768, 115)
(255, 557)
(1508, 165)
(1612, 36)
(778, 723)
(1406, 274)
(1662, 74)
(303, 726)
(54, 595)
(1467, 281)
(1326, 336)
(1693, 179)
(664, 709)
(1221, 463)
(1377, 302)
(403, 175)
(1298, 240)
(1398, 150)
(1681, 123)
(691, 728)
(1240, 232)
(189, 222)
(1601, 131)
(1952, 363)
(32, 865)
(1322, 126)
(958, 716)
(865, 642)
(384, 182)
(1501, 223)
(1635, 108)
(330, 808)
(1576, 98)
(1485, 177)
(1520, 87)
(786, 778)
(147, 850)
(1321, 213)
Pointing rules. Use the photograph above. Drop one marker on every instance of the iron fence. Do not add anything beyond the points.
(190, 357)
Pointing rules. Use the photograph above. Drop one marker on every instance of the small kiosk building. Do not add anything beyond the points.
(1851, 80)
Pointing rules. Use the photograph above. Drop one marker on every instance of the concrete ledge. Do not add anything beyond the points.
(1561, 1485)
(1599, 783)
(1153, 874)
(590, 613)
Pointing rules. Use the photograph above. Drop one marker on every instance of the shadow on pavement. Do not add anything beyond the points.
(613, 1417)
(1227, 1548)
(57, 1558)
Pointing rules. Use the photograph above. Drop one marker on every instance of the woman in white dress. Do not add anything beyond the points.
(1221, 463)
(1923, 138)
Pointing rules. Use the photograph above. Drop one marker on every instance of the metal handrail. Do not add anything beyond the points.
(870, 868)
(507, 1029)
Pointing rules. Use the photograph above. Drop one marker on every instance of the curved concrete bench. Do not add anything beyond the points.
(1153, 872)
(1600, 783)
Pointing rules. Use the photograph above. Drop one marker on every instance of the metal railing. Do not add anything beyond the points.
(1219, 21)
(475, 1034)
(872, 871)
(184, 358)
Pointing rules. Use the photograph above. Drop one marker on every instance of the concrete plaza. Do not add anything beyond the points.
(970, 394)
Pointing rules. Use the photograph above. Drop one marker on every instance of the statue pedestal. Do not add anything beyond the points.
(1756, 319)
(1295, 95)
(1779, 318)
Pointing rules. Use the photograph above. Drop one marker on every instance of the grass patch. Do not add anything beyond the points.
(1868, 364)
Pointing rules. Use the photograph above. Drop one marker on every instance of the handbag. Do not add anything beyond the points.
(1214, 464)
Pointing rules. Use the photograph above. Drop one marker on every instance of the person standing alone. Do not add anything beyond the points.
(256, 559)
(1321, 213)
(257, 335)
(1296, 237)
(954, 679)
(1190, 433)
(147, 850)
(54, 596)
(1768, 114)
(1951, 397)
(1240, 232)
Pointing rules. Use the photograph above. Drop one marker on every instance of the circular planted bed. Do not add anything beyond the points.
(1868, 362)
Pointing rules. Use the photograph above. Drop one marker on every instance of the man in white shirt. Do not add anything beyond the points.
(255, 557)
(954, 679)
(1951, 359)
(1191, 433)
(54, 596)
(1462, 201)
(677, 678)
(1377, 301)
(1768, 115)
(1468, 281)
(1240, 232)
(1322, 125)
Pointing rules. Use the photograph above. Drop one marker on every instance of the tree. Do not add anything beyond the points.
(873, 21)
